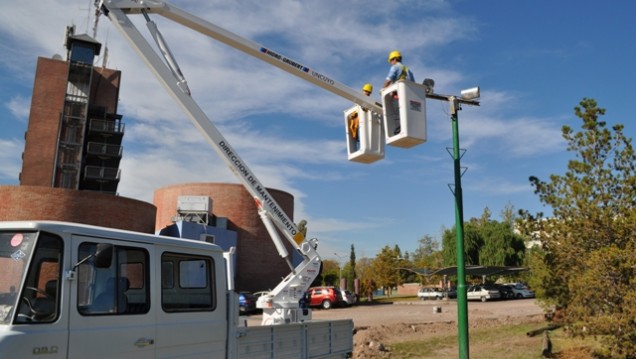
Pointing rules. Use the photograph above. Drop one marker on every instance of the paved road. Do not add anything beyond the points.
(414, 312)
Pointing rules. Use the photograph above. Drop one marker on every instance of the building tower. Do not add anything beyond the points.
(74, 135)
(72, 151)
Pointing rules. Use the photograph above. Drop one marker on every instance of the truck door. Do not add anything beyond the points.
(192, 316)
(38, 306)
(111, 313)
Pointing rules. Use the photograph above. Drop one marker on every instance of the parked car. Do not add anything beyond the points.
(247, 302)
(482, 292)
(451, 292)
(347, 297)
(325, 297)
(505, 291)
(521, 290)
(430, 293)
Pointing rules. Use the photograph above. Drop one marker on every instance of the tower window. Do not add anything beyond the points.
(82, 52)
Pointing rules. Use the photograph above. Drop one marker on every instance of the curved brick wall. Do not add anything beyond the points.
(259, 267)
(18, 203)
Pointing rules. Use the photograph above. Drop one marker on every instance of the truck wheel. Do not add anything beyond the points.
(326, 304)
(483, 299)
(519, 296)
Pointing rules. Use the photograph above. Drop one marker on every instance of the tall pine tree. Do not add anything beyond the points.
(586, 263)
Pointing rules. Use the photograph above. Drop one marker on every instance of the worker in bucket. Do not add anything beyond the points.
(398, 71)
(354, 120)
(367, 89)
(354, 124)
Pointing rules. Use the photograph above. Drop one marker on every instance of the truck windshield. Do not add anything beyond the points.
(15, 251)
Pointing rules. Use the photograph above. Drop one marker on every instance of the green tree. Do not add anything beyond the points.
(502, 247)
(385, 272)
(487, 242)
(508, 215)
(330, 272)
(350, 269)
(427, 247)
(473, 241)
(586, 263)
(427, 256)
(364, 269)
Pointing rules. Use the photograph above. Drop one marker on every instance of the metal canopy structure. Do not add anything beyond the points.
(474, 270)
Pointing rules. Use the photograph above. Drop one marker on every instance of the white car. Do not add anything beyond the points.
(521, 291)
(348, 297)
(482, 292)
(430, 293)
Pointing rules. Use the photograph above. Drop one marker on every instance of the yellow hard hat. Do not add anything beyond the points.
(367, 87)
(394, 54)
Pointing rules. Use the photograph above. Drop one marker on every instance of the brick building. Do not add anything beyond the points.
(25, 203)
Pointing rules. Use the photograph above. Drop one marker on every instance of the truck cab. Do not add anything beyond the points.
(70, 290)
(75, 291)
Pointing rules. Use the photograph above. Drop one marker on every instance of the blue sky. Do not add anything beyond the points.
(534, 62)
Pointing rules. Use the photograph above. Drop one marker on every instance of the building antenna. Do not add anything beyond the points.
(96, 17)
(88, 16)
(105, 58)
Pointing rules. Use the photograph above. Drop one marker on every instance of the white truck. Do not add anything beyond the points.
(78, 291)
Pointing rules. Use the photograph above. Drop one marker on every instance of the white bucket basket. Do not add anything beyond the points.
(365, 144)
(404, 105)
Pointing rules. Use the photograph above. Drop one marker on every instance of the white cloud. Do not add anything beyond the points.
(493, 185)
(19, 107)
(10, 157)
(494, 127)
(518, 137)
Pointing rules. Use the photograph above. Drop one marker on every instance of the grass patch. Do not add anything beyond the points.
(509, 341)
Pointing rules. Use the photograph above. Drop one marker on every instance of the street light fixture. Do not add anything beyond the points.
(470, 94)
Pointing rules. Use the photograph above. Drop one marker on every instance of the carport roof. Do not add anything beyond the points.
(470, 270)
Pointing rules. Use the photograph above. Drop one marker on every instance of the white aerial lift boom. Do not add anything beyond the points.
(169, 11)
(282, 305)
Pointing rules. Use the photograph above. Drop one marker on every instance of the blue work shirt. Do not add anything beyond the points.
(396, 70)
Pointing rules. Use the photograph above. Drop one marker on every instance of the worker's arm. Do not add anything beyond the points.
(392, 76)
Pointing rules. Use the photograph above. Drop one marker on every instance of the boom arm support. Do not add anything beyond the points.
(282, 306)
(202, 122)
(249, 47)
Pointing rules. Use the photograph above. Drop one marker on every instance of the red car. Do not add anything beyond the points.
(325, 297)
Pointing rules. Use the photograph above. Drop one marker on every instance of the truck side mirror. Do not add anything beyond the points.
(103, 255)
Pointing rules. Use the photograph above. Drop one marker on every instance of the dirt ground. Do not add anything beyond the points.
(380, 325)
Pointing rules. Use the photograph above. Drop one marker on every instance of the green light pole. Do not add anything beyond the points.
(467, 97)
(462, 305)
